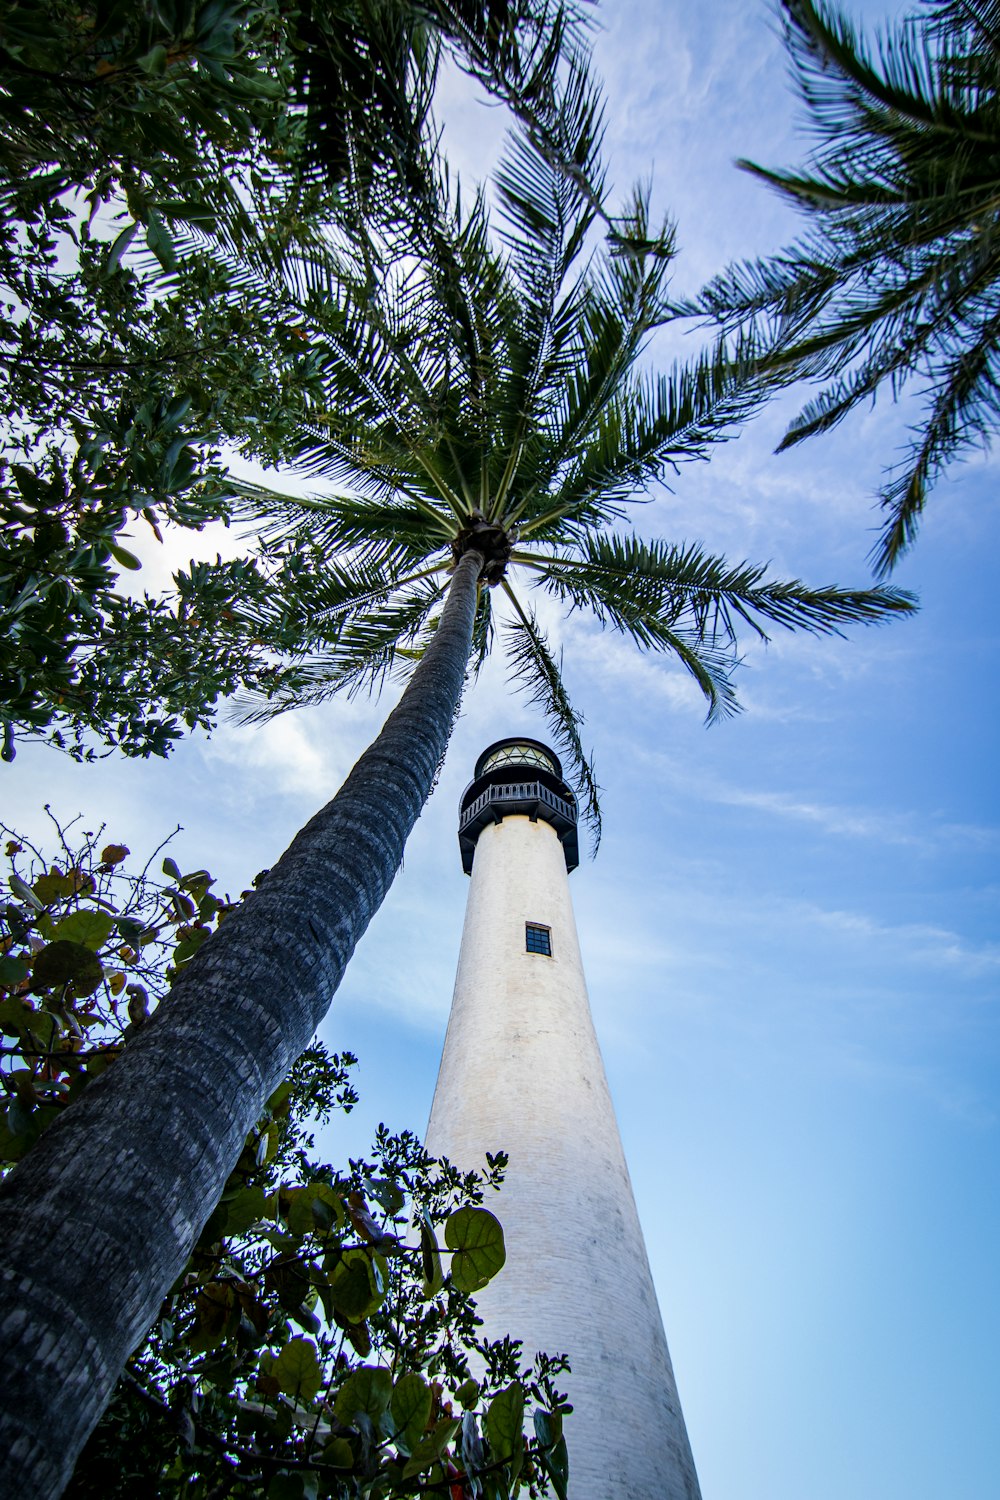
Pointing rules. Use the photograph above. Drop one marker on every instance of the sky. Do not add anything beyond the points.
(790, 930)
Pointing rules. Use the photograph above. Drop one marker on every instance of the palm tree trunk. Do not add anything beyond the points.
(99, 1218)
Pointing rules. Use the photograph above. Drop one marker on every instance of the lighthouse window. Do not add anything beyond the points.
(518, 755)
(537, 939)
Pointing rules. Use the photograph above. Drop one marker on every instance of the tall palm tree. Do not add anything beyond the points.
(485, 417)
(898, 278)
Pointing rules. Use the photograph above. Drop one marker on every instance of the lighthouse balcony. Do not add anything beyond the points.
(532, 799)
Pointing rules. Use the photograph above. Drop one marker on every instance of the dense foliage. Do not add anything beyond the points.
(897, 281)
(128, 363)
(318, 1342)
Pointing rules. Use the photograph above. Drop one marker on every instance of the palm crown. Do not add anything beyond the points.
(486, 392)
(899, 276)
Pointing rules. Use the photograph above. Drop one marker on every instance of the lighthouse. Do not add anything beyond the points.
(522, 1072)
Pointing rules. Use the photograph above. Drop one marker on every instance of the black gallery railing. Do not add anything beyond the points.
(518, 791)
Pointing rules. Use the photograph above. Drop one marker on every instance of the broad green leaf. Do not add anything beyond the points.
(548, 1427)
(356, 1288)
(303, 1217)
(63, 962)
(13, 971)
(339, 1453)
(297, 1369)
(14, 1016)
(504, 1425)
(246, 1209)
(410, 1407)
(475, 1235)
(171, 869)
(214, 1307)
(23, 892)
(42, 1029)
(91, 928)
(154, 62)
(113, 854)
(367, 1390)
(430, 1448)
(467, 1394)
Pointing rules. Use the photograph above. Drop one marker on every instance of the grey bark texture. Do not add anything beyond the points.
(97, 1221)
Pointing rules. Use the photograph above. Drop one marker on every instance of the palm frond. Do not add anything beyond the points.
(965, 412)
(647, 428)
(898, 278)
(392, 535)
(650, 590)
(359, 653)
(533, 665)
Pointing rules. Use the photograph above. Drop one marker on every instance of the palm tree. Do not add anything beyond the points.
(898, 277)
(485, 417)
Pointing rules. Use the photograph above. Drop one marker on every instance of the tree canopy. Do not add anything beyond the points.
(126, 366)
(897, 280)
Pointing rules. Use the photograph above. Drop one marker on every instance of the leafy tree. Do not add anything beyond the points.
(897, 280)
(121, 124)
(487, 412)
(317, 1341)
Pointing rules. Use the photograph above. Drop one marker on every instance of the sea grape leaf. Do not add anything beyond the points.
(297, 1369)
(63, 962)
(475, 1235)
(504, 1426)
(91, 928)
(410, 1407)
(367, 1390)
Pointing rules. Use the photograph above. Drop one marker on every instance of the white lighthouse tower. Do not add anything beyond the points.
(522, 1072)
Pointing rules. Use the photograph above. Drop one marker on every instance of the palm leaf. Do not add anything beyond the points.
(533, 665)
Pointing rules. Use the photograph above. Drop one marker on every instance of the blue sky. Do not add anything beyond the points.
(790, 930)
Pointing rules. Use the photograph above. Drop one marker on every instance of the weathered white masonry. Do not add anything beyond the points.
(522, 1072)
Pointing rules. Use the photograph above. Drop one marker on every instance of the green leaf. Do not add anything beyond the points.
(160, 241)
(504, 1425)
(355, 1288)
(430, 1448)
(124, 557)
(246, 1209)
(411, 1407)
(63, 962)
(548, 1427)
(23, 892)
(297, 1369)
(366, 1390)
(53, 886)
(292, 1487)
(467, 1394)
(555, 1460)
(476, 1237)
(91, 928)
(119, 247)
(15, 1016)
(171, 869)
(430, 1257)
(312, 1208)
(13, 971)
(339, 1453)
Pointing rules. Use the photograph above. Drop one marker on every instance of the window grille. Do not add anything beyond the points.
(538, 939)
